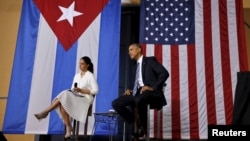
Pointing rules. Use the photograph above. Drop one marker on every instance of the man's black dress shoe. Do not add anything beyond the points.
(143, 138)
(139, 134)
(66, 138)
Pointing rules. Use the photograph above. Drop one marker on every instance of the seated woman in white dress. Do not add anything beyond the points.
(75, 102)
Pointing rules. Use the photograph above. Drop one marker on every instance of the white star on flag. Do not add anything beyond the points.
(69, 13)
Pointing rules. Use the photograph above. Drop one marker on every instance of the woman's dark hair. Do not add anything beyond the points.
(87, 60)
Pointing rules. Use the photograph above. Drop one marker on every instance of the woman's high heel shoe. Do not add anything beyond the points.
(68, 132)
(41, 115)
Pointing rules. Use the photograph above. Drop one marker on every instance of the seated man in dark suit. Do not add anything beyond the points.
(148, 79)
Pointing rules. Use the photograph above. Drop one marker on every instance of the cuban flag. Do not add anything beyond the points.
(53, 35)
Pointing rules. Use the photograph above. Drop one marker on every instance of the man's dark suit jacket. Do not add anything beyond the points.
(153, 75)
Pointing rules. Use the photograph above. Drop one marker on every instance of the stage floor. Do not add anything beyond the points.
(96, 138)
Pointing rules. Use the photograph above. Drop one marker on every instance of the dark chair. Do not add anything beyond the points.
(158, 119)
(77, 123)
(158, 123)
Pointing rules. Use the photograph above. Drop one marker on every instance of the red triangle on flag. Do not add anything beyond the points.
(68, 19)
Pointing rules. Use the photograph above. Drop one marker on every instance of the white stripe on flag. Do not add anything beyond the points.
(42, 80)
(217, 61)
(184, 98)
(88, 45)
(167, 124)
(150, 50)
(233, 43)
(200, 73)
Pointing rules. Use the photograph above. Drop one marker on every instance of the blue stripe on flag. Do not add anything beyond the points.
(19, 90)
(108, 59)
(63, 77)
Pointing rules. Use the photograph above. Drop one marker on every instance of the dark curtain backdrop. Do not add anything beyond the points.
(129, 34)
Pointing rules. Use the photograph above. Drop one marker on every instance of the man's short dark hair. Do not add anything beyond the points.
(137, 45)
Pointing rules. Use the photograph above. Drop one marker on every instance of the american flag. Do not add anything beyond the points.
(202, 44)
